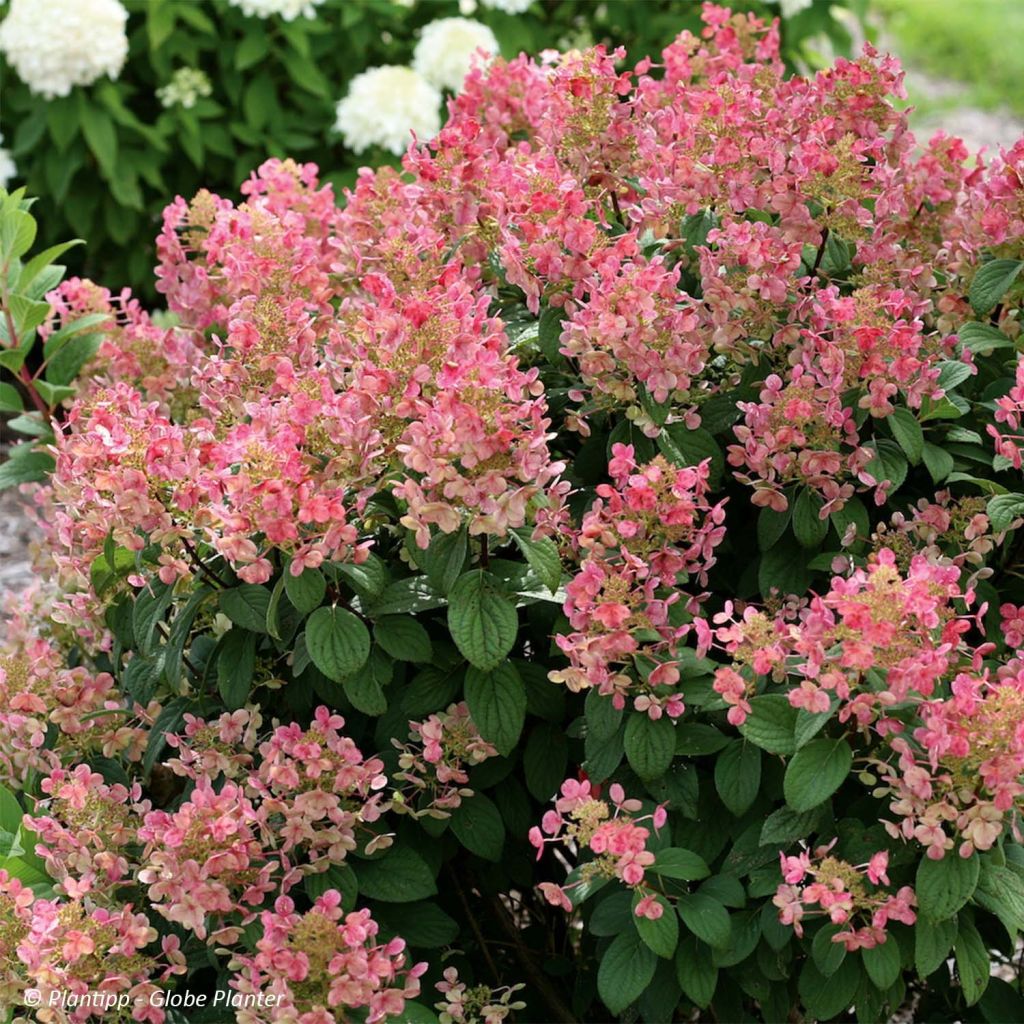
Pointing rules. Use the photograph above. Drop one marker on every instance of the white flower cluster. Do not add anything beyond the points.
(447, 47)
(7, 169)
(54, 45)
(184, 88)
(508, 6)
(384, 106)
(287, 9)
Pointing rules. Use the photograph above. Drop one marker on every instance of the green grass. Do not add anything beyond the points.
(978, 42)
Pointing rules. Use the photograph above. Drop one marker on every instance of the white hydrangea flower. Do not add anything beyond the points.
(508, 6)
(54, 45)
(444, 54)
(790, 8)
(8, 171)
(184, 88)
(287, 9)
(384, 106)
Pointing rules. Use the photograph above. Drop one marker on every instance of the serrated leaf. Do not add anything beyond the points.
(444, 559)
(625, 971)
(972, 961)
(816, 772)
(246, 606)
(650, 744)
(981, 339)
(882, 963)
(908, 433)
(771, 724)
(338, 642)
(695, 971)
(305, 591)
(991, 282)
(932, 942)
(706, 918)
(235, 665)
(944, 886)
(477, 824)
(1003, 509)
(482, 620)
(400, 876)
(738, 776)
(677, 862)
(403, 638)
(542, 556)
(889, 464)
(497, 704)
(808, 526)
(660, 935)
(938, 462)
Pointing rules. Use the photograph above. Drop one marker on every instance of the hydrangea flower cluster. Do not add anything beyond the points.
(846, 893)
(614, 834)
(435, 765)
(322, 963)
(643, 532)
(876, 639)
(956, 783)
(463, 1003)
(55, 45)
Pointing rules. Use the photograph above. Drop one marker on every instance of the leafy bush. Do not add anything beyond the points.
(582, 572)
(105, 156)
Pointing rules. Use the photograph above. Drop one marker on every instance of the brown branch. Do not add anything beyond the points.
(471, 918)
(561, 1013)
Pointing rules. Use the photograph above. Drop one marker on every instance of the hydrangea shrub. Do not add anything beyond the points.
(113, 106)
(577, 576)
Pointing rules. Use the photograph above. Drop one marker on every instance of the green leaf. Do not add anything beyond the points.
(1001, 891)
(235, 665)
(882, 963)
(625, 971)
(771, 724)
(952, 373)
(889, 464)
(982, 339)
(944, 886)
(816, 772)
(400, 876)
(305, 591)
(477, 824)
(100, 134)
(738, 776)
(660, 936)
(542, 556)
(422, 924)
(688, 447)
(545, 760)
(150, 605)
(403, 638)
(827, 954)
(808, 526)
(369, 579)
(694, 739)
(908, 433)
(827, 997)
(337, 641)
(1003, 509)
(771, 525)
(602, 717)
(784, 568)
(497, 705)
(482, 620)
(246, 606)
(444, 558)
(17, 233)
(932, 942)
(406, 597)
(650, 745)
(938, 461)
(972, 961)
(991, 283)
(696, 972)
(10, 400)
(24, 465)
(706, 918)
(784, 825)
(677, 862)
(365, 692)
